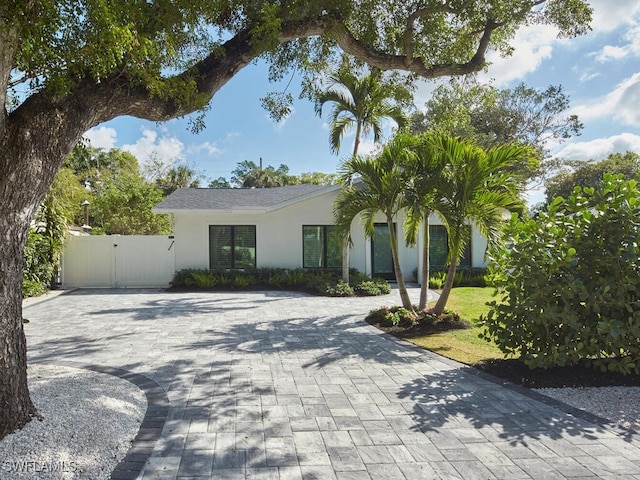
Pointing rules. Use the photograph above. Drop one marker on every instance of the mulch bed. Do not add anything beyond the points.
(515, 371)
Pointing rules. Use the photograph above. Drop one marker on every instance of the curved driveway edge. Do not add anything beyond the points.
(131, 466)
(285, 385)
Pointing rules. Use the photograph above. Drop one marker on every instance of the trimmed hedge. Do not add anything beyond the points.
(323, 282)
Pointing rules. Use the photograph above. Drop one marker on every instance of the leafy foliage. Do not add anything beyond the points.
(568, 284)
(39, 269)
(323, 282)
(590, 173)
(468, 277)
(247, 174)
(492, 117)
(175, 177)
(476, 188)
(361, 104)
(406, 318)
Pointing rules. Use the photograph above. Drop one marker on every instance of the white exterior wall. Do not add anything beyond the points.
(279, 236)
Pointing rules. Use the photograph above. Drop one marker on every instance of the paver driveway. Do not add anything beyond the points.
(271, 385)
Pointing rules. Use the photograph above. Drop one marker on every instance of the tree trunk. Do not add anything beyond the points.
(15, 404)
(448, 285)
(345, 260)
(424, 288)
(402, 288)
(27, 168)
(33, 144)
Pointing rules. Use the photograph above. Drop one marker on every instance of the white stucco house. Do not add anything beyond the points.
(287, 227)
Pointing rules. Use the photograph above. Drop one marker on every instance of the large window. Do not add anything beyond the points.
(321, 247)
(439, 248)
(232, 246)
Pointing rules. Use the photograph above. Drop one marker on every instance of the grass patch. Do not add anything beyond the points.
(463, 345)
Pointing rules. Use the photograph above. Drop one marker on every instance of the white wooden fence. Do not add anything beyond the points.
(117, 261)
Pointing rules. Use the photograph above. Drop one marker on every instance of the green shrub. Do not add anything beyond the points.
(464, 277)
(32, 289)
(39, 270)
(569, 282)
(403, 317)
(377, 286)
(339, 289)
(324, 282)
(202, 280)
(437, 279)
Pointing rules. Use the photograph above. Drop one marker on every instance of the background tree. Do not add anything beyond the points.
(219, 182)
(319, 178)
(82, 66)
(60, 208)
(178, 176)
(475, 188)
(493, 117)
(590, 174)
(124, 207)
(249, 175)
(381, 191)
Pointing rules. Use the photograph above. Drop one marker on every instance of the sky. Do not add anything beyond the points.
(600, 72)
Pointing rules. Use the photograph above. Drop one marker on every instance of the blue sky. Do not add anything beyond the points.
(600, 72)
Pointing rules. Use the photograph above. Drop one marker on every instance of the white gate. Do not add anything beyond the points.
(118, 261)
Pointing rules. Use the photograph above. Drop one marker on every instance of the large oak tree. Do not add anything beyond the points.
(69, 65)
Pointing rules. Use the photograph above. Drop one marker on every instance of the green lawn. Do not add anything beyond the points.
(463, 345)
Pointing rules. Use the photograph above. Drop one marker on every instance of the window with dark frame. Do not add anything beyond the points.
(439, 248)
(232, 246)
(321, 246)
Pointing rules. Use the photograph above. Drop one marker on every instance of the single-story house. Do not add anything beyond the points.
(288, 227)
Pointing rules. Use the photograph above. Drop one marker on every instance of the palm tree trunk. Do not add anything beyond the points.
(448, 284)
(402, 288)
(345, 242)
(345, 260)
(424, 288)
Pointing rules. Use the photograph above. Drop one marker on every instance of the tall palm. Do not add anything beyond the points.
(476, 189)
(360, 103)
(381, 190)
(180, 176)
(424, 176)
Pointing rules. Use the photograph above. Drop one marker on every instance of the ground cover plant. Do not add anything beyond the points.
(322, 282)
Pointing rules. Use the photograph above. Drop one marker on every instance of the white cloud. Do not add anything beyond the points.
(209, 148)
(366, 147)
(150, 147)
(630, 47)
(102, 137)
(532, 46)
(621, 104)
(600, 148)
(587, 76)
(609, 15)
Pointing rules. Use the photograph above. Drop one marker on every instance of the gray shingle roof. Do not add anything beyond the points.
(235, 198)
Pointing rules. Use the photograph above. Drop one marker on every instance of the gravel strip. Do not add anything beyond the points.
(620, 405)
(89, 422)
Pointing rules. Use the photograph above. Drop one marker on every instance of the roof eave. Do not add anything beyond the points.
(204, 211)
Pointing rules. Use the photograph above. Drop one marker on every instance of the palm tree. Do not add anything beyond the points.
(421, 199)
(361, 103)
(476, 188)
(181, 176)
(382, 190)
